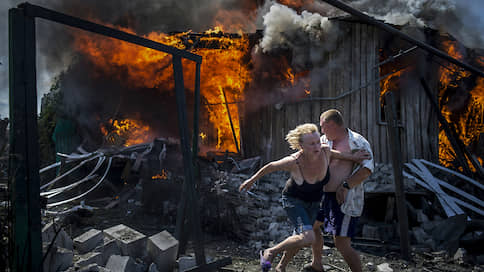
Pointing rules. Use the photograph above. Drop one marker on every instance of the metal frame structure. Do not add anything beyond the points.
(25, 238)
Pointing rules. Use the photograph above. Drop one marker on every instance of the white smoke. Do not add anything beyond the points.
(460, 18)
(284, 28)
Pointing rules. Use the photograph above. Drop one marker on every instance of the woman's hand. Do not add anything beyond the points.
(361, 155)
(245, 186)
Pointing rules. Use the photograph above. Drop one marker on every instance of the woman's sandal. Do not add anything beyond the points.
(265, 265)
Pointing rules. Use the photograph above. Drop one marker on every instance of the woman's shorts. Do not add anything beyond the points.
(301, 213)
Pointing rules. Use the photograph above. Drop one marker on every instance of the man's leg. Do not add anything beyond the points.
(351, 256)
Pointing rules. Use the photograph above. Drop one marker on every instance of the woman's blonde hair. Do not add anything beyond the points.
(294, 136)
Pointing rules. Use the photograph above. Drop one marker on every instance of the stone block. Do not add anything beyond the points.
(186, 262)
(62, 240)
(109, 247)
(89, 258)
(88, 241)
(121, 264)
(58, 259)
(162, 249)
(131, 242)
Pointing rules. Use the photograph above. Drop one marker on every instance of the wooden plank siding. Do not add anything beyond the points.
(351, 65)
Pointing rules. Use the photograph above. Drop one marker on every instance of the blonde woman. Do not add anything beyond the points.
(302, 194)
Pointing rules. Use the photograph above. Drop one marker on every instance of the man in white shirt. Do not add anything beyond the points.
(342, 202)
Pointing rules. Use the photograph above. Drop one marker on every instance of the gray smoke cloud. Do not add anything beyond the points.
(460, 18)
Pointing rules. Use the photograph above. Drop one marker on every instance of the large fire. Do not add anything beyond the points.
(223, 68)
(126, 132)
(469, 121)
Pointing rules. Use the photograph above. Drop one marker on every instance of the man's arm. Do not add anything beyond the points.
(354, 180)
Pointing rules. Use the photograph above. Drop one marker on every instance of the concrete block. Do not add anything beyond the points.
(131, 242)
(162, 249)
(58, 259)
(186, 262)
(88, 241)
(89, 258)
(121, 264)
(62, 240)
(108, 248)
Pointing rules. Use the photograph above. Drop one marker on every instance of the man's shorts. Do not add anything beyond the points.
(335, 221)
(301, 213)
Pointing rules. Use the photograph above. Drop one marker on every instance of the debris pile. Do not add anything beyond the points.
(119, 248)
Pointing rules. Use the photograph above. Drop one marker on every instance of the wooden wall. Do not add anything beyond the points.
(352, 65)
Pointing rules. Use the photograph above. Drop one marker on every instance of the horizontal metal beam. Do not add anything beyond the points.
(396, 32)
(40, 12)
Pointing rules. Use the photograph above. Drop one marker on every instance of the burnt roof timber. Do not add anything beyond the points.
(40, 12)
(394, 31)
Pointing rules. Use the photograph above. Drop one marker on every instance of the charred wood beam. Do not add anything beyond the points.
(231, 123)
(449, 130)
(396, 151)
(394, 31)
(40, 12)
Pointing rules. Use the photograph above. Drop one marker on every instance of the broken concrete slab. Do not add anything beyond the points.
(62, 239)
(89, 258)
(57, 259)
(122, 264)
(88, 241)
(131, 242)
(186, 262)
(107, 248)
(162, 249)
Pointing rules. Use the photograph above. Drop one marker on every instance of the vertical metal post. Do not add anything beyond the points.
(196, 111)
(189, 183)
(396, 151)
(24, 146)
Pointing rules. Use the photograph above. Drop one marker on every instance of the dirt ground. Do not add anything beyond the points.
(244, 258)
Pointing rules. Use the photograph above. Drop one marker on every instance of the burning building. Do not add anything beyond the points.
(256, 87)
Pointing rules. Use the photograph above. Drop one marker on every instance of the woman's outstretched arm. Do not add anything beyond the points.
(280, 165)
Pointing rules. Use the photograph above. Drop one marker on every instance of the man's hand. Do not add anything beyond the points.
(245, 186)
(341, 193)
(361, 155)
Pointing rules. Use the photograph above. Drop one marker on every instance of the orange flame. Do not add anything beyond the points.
(388, 84)
(295, 4)
(222, 67)
(127, 132)
(470, 122)
(162, 175)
